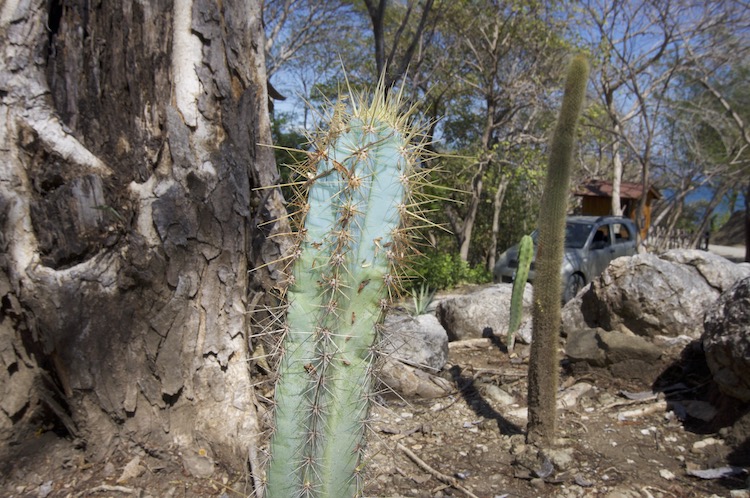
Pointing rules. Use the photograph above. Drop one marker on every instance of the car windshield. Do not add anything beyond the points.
(576, 235)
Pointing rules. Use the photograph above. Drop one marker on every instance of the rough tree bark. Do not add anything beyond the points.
(462, 226)
(130, 220)
(497, 204)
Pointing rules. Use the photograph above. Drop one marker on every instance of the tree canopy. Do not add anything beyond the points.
(667, 99)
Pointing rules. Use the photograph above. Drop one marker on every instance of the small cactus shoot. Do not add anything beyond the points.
(525, 255)
(543, 363)
(356, 200)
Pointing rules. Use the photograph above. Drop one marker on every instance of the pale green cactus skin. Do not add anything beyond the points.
(358, 190)
(525, 255)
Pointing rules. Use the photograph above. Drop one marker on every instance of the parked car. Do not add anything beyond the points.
(590, 244)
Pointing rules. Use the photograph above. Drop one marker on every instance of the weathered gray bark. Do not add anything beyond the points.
(130, 220)
(497, 205)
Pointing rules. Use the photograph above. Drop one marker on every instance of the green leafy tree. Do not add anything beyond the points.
(508, 48)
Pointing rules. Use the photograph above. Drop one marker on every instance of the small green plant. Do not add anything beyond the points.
(543, 364)
(525, 255)
(422, 298)
(356, 200)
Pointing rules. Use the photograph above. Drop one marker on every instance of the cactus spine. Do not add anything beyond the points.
(543, 363)
(352, 239)
(525, 254)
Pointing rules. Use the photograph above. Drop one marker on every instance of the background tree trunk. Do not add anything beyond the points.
(497, 205)
(130, 138)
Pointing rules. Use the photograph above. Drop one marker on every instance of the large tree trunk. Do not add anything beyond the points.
(616, 157)
(616, 175)
(705, 225)
(130, 220)
(497, 205)
(467, 226)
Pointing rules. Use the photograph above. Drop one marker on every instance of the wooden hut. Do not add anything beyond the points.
(596, 197)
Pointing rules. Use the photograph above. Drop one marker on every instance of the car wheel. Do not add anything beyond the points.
(575, 283)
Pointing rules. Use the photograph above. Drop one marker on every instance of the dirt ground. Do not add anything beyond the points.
(609, 445)
(471, 443)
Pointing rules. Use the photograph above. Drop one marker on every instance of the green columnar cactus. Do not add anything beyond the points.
(543, 363)
(358, 184)
(525, 255)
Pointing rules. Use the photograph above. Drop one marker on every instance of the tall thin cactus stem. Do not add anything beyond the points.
(543, 362)
(525, 255)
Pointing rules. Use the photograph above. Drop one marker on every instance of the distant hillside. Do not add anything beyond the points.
(733, 231)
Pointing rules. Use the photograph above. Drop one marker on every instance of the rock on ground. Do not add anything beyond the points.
(414, 349)
(483, 314)
(726, 340)
(654, 295)
(601, 348)
(626, 355)
(408, 381)
(420, 341)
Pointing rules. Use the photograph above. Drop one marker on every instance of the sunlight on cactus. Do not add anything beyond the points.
(525, 255)
(358, 205)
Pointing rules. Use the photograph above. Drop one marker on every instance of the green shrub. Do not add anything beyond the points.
(445, 271)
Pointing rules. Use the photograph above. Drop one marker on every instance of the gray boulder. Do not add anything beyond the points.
(584, 345)
(654, 295)
(726, 340)
(483, 313)
(413, 382)
(628, 355)
(718, 272)
(419, 341)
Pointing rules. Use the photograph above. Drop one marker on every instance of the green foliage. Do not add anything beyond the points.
(289, 149)
(521, 205)
(522, 165)
(456, 75)
(355, 189)
(543, 364)
(475, 275)
(441, 270)
(525, 255)
(289, 142)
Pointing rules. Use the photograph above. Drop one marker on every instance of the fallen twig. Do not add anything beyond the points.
(659, 406)
(500, 372)
(626, 402)
(108, 488)
(646, 489)
(435, 473)
(470, 344)
(581, 425)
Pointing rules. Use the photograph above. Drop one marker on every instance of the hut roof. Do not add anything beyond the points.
(603, 188)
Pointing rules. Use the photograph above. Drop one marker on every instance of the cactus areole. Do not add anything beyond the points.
(351, 241)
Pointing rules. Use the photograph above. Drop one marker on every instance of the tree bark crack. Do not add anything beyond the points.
(147, 330)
